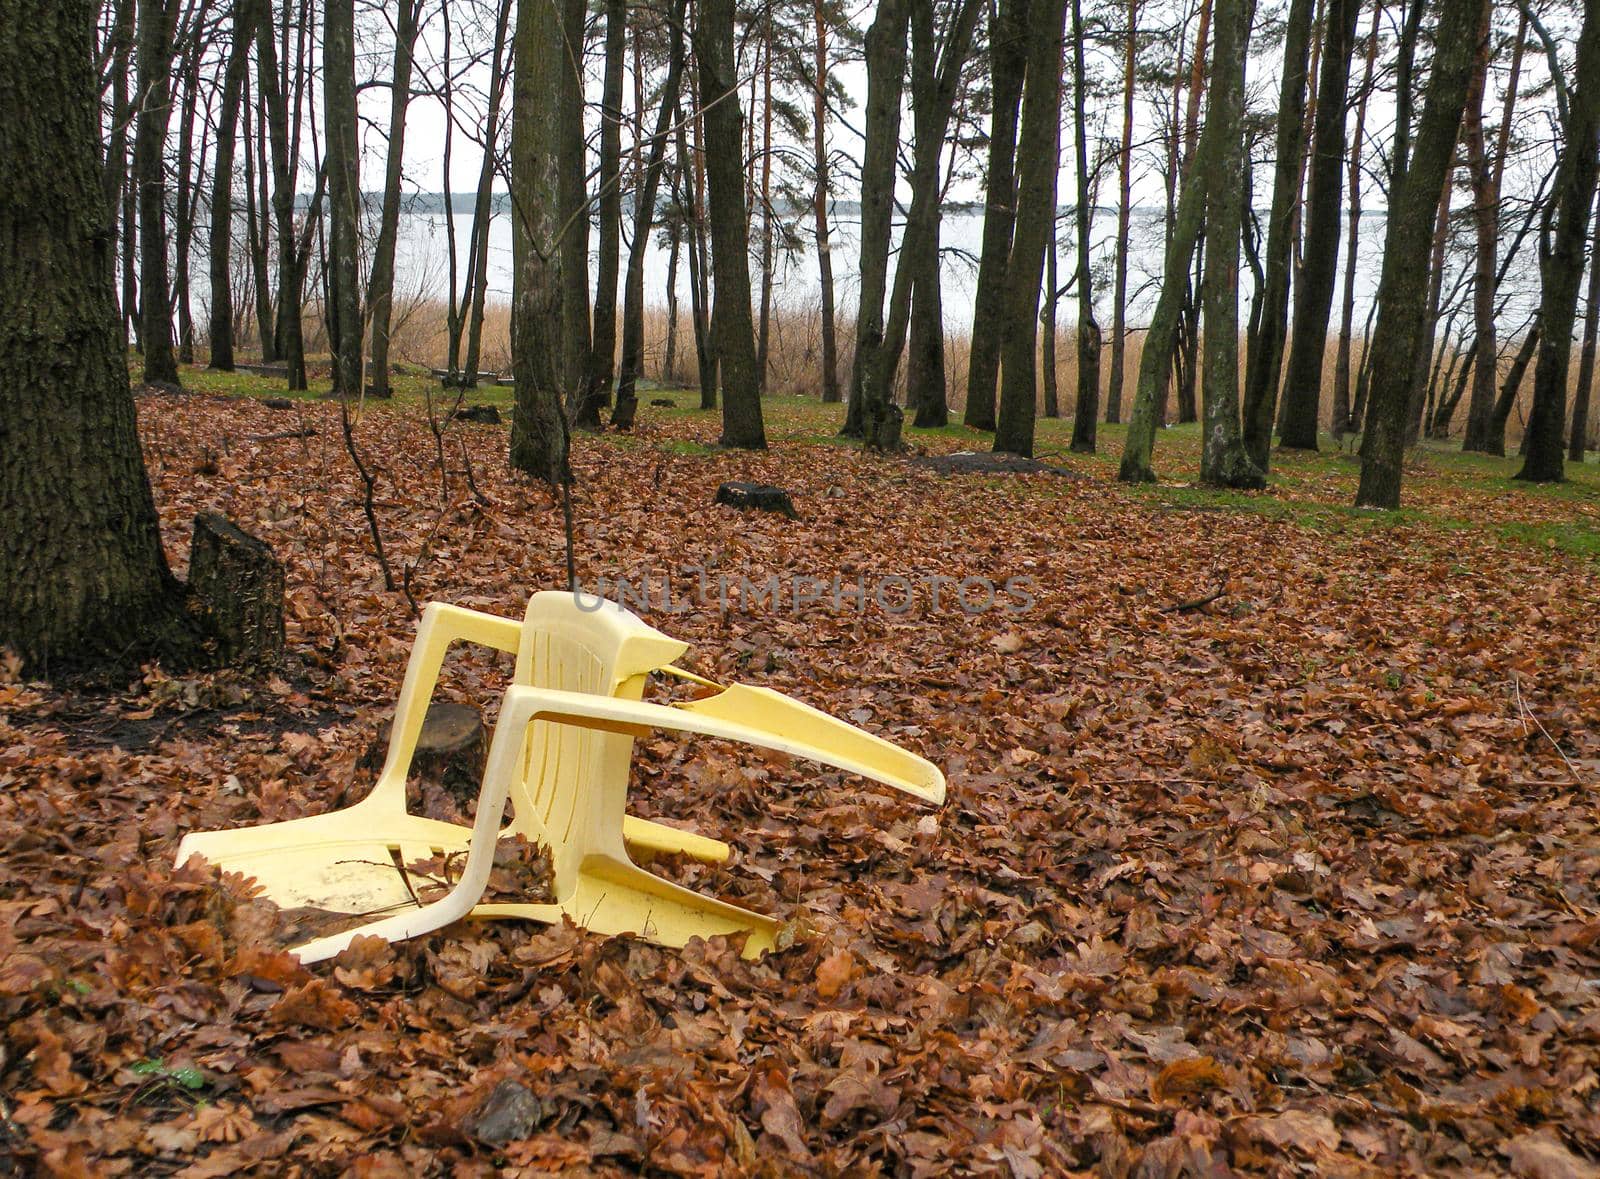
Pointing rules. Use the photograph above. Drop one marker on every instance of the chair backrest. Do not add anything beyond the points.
(572, 791)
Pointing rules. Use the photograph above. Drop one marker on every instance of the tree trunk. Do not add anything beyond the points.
(83, 578)
(730, 242)
(380, 284)
(643, 218)
(1511, 387)
(1049, 321)
(1402, 291)
(1561, 258)
(1584, 393)
(578, 362)
(609, 207)
(1008, 60)
(764, 333)
(704, 348)
(344, 195)
(831, 394)
(183, 206)
(1342, 418)
(1486, 218)
(1265, 359)
(259, 239)
(1430, 318)
(1119, 298)
(221, 229)
(288, 337)
(483, 206)
(1313, 299)
(538, 428)
(114, 177)
(1088, 405)
(1038, 157)
(1223, 459)
(158, 20)
(886, 64)
(925, 375)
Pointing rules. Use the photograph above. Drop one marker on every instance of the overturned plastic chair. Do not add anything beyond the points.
(561, 754)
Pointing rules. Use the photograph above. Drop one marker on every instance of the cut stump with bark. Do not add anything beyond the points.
(239, 585)
(757, 495)
(451, 750)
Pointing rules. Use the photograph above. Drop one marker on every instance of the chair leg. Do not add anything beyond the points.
(615, 897)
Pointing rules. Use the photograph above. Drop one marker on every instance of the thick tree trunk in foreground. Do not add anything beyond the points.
(1008, 61)
(730, 240)
(158, 20)
(221, 238)
(1038, 156)
(538, 428)
(1313, 300)
(344, 195)
(1223, 459)
(1561, 264)
(83, 578)
(1265, 360)
(1403, 289)
(380, 284)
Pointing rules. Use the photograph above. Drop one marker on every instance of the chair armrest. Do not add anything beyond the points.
(754, 716)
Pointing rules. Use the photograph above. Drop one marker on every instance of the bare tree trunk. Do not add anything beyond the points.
(1486, 216)
(736, 346)
(609, 207)
(819, 137)
(184, 205)
(1038, 158)
(1430, 319)
(1223, 459)
(221, 235)
(1008, 59)
(1584, 393)
(1313, 300)
(158, 20)
(643, 218)
(1402, 292)
(538, 428)
(1048, 320)
(886, 63)
(256, 156)
(1342, 419)
(344, 195)
(1264, 361)
(114, 178)
(83, 578)
(288, 334)
(1119, 298)
(699, 298)
(1561, 260)
(578, 361)
(380, 284)
(925, 372)
(764, 332)
(1088, 402)
(483, 205)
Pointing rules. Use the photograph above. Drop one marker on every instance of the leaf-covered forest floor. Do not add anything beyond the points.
(1303, 879)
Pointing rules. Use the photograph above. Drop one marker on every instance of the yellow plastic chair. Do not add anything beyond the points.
(560, 755)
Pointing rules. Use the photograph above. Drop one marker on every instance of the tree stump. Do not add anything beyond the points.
(239, 583)
(757, 495)
(452, 750)
(664, 402)
(487, 414)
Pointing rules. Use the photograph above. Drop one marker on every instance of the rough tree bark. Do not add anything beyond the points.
(483, 209)
(344, 195)
(1265, 359)
(1038, 157)
(886, 64)
(1313, 299)
(1223, 459)
(572, 162)
(83, 578)
(1008, 61)
(538, 428)
(1342, 419)
(288, 336)
(730, 240)
(1584, 393)
(609, 206)
(1402, 291)
(831, 394)
(1561, 257)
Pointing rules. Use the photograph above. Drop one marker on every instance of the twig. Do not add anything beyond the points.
(1196, 603)
(1526, 715)
(303, 432)
(369, 484)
